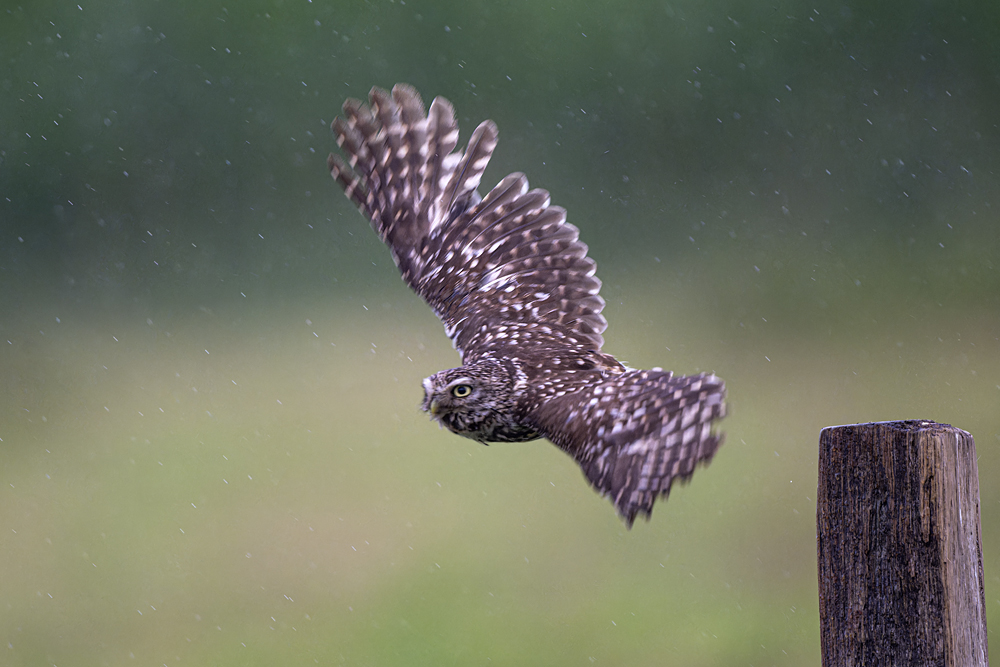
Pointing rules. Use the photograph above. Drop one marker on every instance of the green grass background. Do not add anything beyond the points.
(256, 487)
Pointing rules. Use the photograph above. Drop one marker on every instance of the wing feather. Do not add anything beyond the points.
(635, 433)
(459, 186)
(479, 262)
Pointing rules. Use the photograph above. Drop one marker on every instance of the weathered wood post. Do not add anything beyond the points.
(900, 559)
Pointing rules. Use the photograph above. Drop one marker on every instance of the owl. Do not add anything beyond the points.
(512, 283)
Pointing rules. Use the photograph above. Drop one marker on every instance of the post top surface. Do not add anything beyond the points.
(906, 425)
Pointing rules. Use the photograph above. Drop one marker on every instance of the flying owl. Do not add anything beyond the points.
(512, 283)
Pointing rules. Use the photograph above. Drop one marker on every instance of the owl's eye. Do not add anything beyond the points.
(461, 390)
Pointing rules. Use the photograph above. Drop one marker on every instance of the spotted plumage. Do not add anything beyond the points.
(513, 285)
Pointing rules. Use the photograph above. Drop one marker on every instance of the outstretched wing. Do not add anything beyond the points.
(507, 259)
(635, 433)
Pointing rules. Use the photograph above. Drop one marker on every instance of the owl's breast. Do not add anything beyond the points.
(498, 428)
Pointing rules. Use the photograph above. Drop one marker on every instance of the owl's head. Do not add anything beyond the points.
(453, 397)
(467, 400)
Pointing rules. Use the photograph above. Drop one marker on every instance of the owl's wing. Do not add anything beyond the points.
(481, 264)
(635, 433)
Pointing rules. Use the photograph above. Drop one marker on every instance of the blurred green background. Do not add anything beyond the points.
(210, 448)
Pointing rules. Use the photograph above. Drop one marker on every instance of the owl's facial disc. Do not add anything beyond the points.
(440, 400)
(429, 404)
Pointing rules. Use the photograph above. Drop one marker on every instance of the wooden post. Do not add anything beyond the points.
(900, 559)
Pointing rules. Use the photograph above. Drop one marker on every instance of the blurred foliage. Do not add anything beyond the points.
(209, 443)
(134, 130)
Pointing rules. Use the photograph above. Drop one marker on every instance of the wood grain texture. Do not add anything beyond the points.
(900, 558)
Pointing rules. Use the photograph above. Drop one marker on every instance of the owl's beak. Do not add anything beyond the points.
(434, 407)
